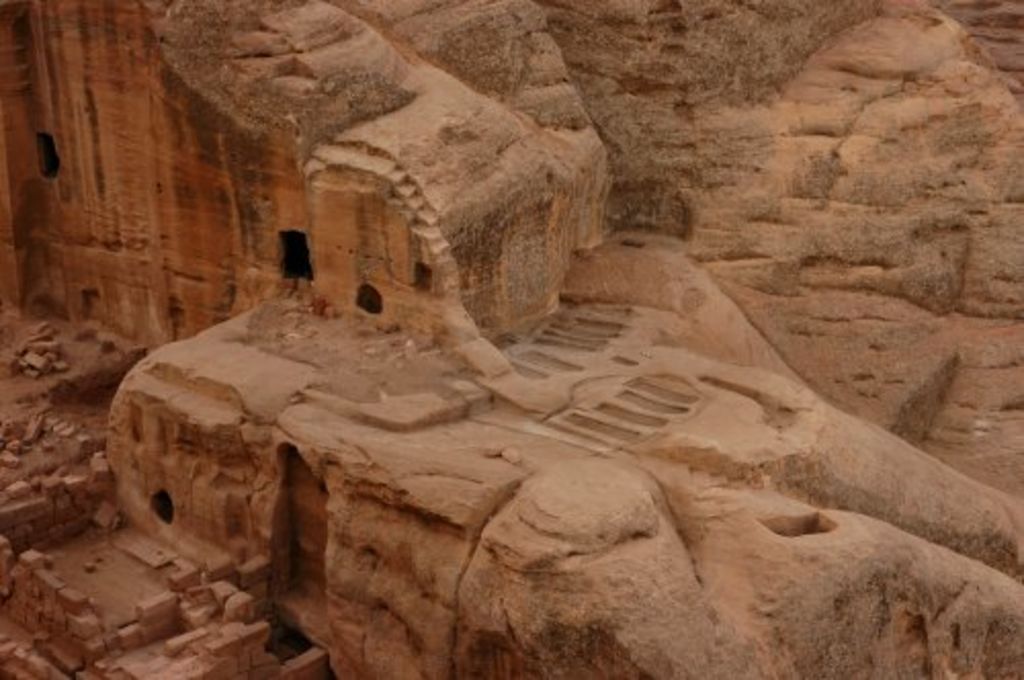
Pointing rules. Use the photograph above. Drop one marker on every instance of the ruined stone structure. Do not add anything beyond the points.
(512, 339)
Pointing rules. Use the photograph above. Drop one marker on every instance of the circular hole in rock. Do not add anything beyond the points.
(369, 300)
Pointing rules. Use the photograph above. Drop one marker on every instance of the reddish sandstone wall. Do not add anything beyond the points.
(163, 217)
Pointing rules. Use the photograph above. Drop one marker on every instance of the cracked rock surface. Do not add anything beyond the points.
(509, 339)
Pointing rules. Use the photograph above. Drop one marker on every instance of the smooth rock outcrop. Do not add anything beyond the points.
(615, 505)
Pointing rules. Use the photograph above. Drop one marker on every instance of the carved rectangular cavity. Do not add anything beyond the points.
(307, 524)
(295, 258)
(49, 160)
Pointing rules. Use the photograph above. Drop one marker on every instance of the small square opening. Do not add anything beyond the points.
(295, 259)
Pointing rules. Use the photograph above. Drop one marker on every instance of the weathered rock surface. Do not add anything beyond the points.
(997, 27)
(452, 396)
(648, 70)
(867, 223)
(266, 121)
(616, 505)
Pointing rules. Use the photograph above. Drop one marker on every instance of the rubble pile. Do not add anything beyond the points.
(40, 355)
(45, 431)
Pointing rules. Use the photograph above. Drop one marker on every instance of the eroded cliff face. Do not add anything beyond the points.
(495, 201)
(190, 138)
(160, 219)
(997, 28)
(868, 222)
(606, 271)
(649, 70)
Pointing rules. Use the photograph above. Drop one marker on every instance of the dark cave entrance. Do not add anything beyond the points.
(295, 258)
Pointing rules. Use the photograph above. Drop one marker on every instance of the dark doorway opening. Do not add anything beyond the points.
(307, 523)
(299, 553)
(90, 299)
(286, 643)
(369, 300)
(163, 506)
(176, 315)
(22, 31)
(49, 159)
(295, 259)
(424, 276)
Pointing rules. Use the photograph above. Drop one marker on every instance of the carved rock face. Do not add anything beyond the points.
(453, 399)
(614, 505)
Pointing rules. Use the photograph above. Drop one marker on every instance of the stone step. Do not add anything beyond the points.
(609, 426)
(407, 189)
(627, 412)
(651, 404)
(588, 330)
(546, 361)
(399, 175)
(549, 340)
(529, 371)
(589, 437)
(428, 215)
(665, 389)
(348, 157)
(588, 341)
(603, 324)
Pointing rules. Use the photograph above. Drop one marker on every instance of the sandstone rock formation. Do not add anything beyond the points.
(868, 225)
(611, 492)
(254, 134)
(514, 339)
(996, 27)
